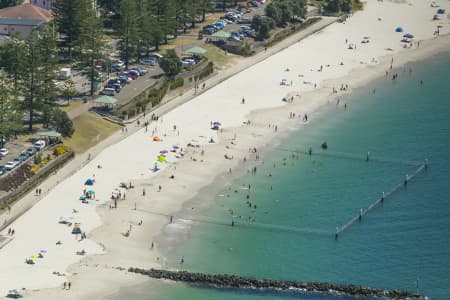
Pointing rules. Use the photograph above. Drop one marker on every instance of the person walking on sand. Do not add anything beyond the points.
(243, 100)
(64, 285)
(69, 284)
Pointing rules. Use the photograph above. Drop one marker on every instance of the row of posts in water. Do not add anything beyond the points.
(363, 212)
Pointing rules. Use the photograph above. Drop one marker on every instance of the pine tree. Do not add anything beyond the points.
(70, 18)
(127, 30)
(10, 113)
(92, 46)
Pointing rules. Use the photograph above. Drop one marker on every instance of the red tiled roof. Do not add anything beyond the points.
(26, 11)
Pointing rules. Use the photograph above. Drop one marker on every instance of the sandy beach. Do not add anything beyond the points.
(249, 106)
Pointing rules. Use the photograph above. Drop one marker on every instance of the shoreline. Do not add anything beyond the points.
(205, 196)
(256, 134)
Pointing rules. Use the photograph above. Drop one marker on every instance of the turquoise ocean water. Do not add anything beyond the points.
(404, 239)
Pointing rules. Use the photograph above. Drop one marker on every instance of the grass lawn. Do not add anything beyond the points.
(73, 105)
(218, 56)
(90, 129)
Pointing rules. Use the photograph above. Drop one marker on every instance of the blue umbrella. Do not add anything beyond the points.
(399, 29)
(408, 36)
(441, 11)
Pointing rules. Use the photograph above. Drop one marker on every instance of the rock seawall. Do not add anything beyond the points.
(233, 281)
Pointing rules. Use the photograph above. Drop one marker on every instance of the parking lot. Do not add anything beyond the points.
(237, 21)
(14, 148)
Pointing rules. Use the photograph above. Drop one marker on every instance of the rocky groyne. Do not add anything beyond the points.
(233, 281)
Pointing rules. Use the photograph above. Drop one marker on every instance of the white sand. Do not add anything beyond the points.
(132, 158)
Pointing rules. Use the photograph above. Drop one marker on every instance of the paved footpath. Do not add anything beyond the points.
(79, 161)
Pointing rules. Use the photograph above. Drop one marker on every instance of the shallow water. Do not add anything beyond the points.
(290, 235)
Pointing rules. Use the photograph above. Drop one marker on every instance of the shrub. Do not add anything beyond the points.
(37, 159)
(60, 150)
(207, 70)
(176, 83)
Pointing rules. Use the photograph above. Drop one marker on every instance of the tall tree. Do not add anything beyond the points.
(128, 30)
(92, 46)
(69, 17)
(30, 65)
(12, 53)
(10, 113)
(36, 86)
(171, 63)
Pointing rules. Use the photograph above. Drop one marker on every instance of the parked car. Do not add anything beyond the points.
(2, 170)
(117, 68)
(31, 151)
(141, 70)
(155, 56)
(10, 165)
(4, 152)
(18, 160)
(114, 81)
(39, 145)
(108, 92)
(148, 61)
(244, 21)
(116, 86)
(227, 20)
(124, 79)
(134, 72)
(208, 30)
(130, 75)
(219, 25)
(24, 155)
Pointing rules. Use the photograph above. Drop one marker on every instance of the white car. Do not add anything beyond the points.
(10, 165)
(4, 152)
(39, 145)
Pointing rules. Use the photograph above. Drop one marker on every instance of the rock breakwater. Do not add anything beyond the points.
(233, 281)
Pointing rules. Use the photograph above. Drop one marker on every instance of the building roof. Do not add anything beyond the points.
(25, 14)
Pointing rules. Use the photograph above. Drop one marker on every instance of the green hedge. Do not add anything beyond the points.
(176, 83)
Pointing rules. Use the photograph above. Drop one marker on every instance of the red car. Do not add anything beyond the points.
(131, 75)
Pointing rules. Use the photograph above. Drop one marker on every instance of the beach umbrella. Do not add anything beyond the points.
(441, 11)
(217, 123)
(156, 138)
(163, 151)
(176, 146)
(91, 192)
(89, 182)
(161, 158)
(408, 36)
(366, 37)
(76, 229)
(399, 29)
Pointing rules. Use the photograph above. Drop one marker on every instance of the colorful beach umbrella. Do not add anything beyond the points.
(399, 29)
(89, 182)
(408, 36)
(163, 151)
